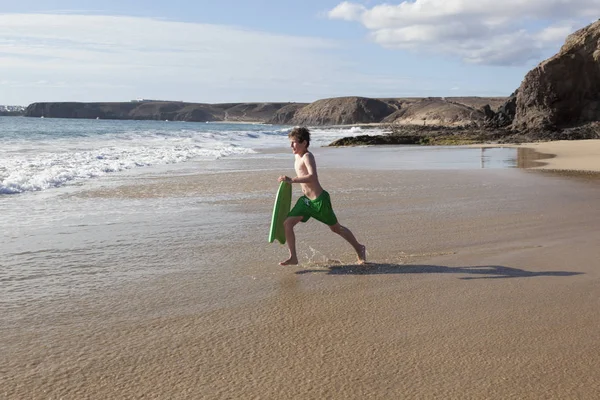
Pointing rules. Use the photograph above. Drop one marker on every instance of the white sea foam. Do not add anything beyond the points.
(27, 165)
(322, 136)
(42, 154)
(45, 170)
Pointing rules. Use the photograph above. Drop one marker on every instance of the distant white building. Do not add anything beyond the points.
(12, 108)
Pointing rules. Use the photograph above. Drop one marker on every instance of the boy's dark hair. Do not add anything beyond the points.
(300, 134)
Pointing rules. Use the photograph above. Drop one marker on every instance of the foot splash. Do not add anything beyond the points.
(362, 255)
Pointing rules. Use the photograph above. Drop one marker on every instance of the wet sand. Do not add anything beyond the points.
(482, 284)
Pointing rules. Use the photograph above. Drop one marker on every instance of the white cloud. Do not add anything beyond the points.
(347, 11)
(508, 32)
(555, 33)
(73, 54)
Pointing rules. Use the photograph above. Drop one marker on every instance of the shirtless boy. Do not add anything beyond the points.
(315, 202)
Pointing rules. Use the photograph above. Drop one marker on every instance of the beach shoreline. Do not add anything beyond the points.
(559, 155)
(482, 284)
(569, 155)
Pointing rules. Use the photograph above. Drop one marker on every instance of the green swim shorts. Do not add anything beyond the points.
(319, 208)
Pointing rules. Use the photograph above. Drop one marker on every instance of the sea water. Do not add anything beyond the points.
(56, 243)
(38, 154)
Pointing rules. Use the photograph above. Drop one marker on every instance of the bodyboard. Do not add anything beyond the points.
(281, 208)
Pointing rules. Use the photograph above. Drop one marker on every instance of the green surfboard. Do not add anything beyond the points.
(281, 208)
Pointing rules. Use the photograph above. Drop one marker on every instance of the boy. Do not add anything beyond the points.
(315, 202)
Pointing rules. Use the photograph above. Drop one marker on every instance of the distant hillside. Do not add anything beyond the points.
(334, 111)
(341, 111)
(436, 111)
(157, 110)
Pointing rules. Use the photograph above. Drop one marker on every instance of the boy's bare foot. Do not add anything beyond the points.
(289, 261)
(362, 255)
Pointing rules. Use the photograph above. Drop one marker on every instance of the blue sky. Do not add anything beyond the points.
(299, 50)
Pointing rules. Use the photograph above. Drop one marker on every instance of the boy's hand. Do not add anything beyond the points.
(284, 178)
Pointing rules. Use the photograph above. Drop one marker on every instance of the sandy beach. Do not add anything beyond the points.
(482, 284)
(574, 155)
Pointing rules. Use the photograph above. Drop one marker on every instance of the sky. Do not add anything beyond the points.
(210, 51)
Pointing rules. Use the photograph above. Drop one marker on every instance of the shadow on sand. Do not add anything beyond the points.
(477, 272)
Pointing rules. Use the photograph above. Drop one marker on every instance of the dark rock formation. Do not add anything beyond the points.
(342, 111)
(564, 90)
(363, 140)
(487, 111)
(436, 135)
(505, 114)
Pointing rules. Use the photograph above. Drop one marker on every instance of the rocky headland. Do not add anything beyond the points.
(564, 90)
(558, 99)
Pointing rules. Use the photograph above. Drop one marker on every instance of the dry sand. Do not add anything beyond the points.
(484, 284)
(574, 155)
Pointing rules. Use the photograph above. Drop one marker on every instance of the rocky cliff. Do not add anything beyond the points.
(564, 90)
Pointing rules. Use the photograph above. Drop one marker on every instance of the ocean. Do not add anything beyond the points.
(38, 154)
(90, 204)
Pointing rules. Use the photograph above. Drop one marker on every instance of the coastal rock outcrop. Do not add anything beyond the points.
(504, 115)
(564, 90)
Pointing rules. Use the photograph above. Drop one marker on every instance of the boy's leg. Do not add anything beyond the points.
(344, 232)
(290, 239)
